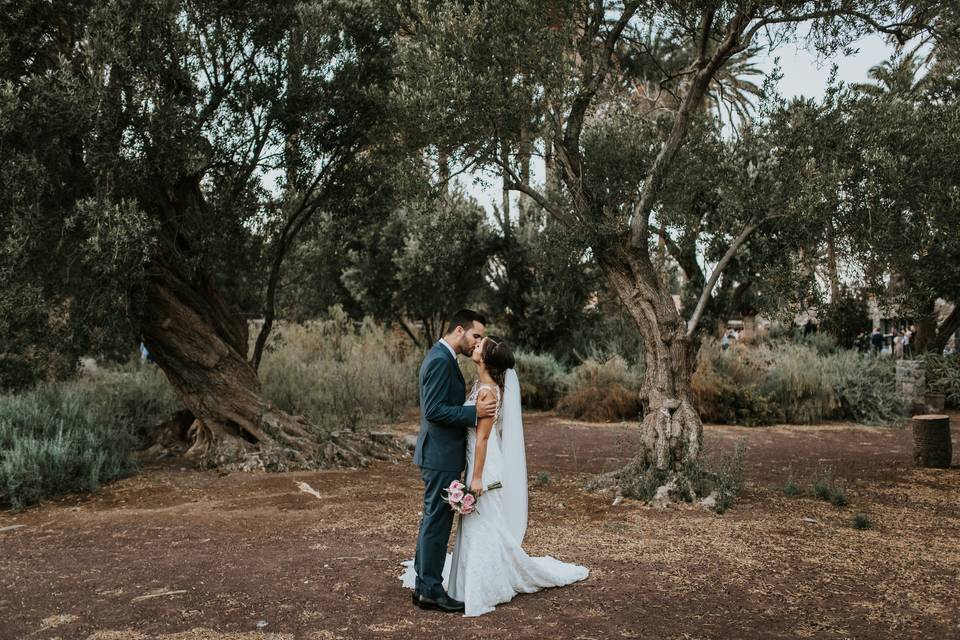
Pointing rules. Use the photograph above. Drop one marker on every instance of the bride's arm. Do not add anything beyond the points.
(484, 427)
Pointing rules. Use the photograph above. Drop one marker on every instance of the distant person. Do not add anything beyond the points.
(876, 340)
(897, 345)
(810, 327)
(728, 337)
(906, 339)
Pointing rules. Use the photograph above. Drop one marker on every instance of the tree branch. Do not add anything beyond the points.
(591, 84)
(516, 184)
(715, 275)
(657, 174)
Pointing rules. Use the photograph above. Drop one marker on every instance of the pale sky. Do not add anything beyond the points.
(803, 75)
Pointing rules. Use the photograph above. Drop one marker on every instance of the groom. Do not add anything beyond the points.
(441, 451)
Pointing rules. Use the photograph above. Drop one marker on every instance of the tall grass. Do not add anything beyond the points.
(795, 383)
(602, 390)
(340, 376)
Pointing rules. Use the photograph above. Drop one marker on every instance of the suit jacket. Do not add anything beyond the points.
(444, 419)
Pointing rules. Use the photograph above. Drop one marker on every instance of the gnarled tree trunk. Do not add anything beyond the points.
(672, 429)
(934, 334)
(200, 342)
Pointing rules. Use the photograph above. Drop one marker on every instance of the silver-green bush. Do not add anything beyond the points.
(541, 379)
(75, 436)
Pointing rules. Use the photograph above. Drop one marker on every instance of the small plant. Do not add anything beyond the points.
(838, 498)
(823, 487)
(825, 490)
(861, 521)
(791, 489)
(640, 483)
(543, 479)
(722, 477)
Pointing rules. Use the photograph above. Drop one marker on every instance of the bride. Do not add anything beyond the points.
(488, 565)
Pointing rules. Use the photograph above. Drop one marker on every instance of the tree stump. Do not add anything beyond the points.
(931, 441)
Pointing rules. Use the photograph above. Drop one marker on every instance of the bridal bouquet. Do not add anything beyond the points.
(461, 499)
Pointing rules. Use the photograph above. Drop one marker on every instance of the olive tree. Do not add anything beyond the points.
(479, 77)
(154, 151)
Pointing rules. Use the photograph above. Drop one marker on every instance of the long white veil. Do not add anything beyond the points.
(514, 491)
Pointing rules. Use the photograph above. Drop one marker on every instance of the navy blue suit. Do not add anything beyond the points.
(441, 456)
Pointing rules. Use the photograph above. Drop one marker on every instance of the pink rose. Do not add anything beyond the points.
(456, 495)
(468, 501)
(454, 486)
(466, 510)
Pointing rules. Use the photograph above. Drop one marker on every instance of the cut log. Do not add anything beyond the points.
(931, 441)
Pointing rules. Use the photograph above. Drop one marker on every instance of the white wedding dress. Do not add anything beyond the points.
(488, 565)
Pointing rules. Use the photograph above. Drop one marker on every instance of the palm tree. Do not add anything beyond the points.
(654, 64)
(894, 76)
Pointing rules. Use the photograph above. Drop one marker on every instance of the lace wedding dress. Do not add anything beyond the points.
(488, 565)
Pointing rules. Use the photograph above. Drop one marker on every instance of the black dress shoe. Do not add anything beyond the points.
(444, 603)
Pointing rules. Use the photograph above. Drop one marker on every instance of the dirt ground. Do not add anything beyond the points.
(184, 554)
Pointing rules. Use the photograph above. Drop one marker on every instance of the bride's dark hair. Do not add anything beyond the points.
(497, 357)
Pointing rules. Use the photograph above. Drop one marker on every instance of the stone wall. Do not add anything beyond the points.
(911, 382)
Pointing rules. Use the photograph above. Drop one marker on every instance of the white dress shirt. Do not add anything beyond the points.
(449, 348)
(454, 354)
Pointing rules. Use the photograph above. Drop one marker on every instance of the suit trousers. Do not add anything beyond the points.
(434, 531)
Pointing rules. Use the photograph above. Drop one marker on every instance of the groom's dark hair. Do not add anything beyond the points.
(465, 318)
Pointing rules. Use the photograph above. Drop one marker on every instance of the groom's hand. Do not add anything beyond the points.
(486, 407)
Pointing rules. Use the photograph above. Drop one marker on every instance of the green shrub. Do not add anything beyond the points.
(861, 521)
(338, 375)
(543, 478)
(865, 388)
(69, 437)
(541, 380)
(638, 482)
(791, 489)
(602, 391)
(822, 344)
(847, 317)
(823, 487)
(943, 375)
(838, 498)
(721, 475)
(825, 490)
(136, 395)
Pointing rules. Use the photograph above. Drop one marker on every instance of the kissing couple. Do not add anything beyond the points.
(484, 437)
